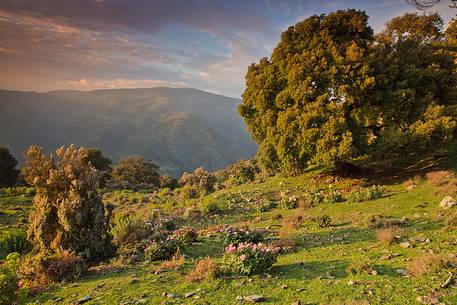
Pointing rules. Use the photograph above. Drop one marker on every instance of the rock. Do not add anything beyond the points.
(405, 244)
(284, 287)
(374, 272)
(448, 202)
(254, 298)
(142, 301)
(300, 289)
(297, 302)
(401, 271)
(189, 294)
(172, 295)
(411, 187)
(351, 282)
(84, 299)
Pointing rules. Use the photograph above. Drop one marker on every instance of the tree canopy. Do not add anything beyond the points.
(8, 172)
(332, 90)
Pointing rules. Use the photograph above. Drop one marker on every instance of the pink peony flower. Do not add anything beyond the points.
(242, 257)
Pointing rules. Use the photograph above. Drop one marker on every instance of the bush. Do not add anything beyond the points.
(430, 263)
(201, 179)
(167, 181)
(249, 258)
(186, 235)
(14, 241)
(68, 212)
(205, 269)
(289, 203)
(326, 196)
(209, 205)
(439, 178)
(161, 249)
(63, 266)
(134, 172)
(367, 194)
(387, 235)
(127, 230)
(323, 221)
(240, 172)
(235, 236)
(9, 282)
(266, 205)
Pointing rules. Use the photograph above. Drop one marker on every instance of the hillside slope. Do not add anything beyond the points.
(179, 129)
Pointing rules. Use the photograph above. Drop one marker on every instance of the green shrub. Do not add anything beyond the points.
(201, 179)
(323, 221)
(266, 205)
(161, 249)
(9, 282)
(186, 235)
(367, 194)
(14, 241)
(127, 230)
(237, 235)
(209, 205)
(249, 258)
(289, 203)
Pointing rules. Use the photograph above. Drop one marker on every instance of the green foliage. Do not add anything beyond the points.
(62, 266)
(134, 172)
(128, 230)
(200, 179)
(18, 190)
(329, 93)
(323, 221)
(68, 213)
(8, 172)
(209, 205)
(266, 205)
(326, 196)
(249, 258)
(237, 235)
(101, 163)
(238, 173)
(167, 181)
(161, 249)
(367, 194)
(186, 235)
(289, 203)
(14, 241)
(9, 282)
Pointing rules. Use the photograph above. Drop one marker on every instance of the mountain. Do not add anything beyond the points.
(179, 129)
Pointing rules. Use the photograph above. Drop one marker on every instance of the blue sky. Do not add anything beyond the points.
(206, 44)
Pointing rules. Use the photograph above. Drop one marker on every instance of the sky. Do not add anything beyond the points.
(206, 44)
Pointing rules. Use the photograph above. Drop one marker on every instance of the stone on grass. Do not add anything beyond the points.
(448, 202)
(254, 298)
(189, 294)
(405, 244)
(297, 302)
(84, 299)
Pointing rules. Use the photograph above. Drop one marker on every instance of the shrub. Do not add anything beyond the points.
(289, 203)
(204, 269)
(209, 205)
(161, 249)
(14, 241)
(134, 172)
(68, 212)
(367, 194)
(127, 230)
(167, 181)
(188, 192)
(387, 235)
(429, 263)
(175, 262)
(266, 205)
(326, 196)
(63, 266)
(360, 267)
(200, 178)
(8, 172)
(249, 258)
(293, 221)
(186, 235)
(323, 221)
(240, 172)
(379, 221)
(9, 282)
(439, 178)
(237, 235)
(276, 216)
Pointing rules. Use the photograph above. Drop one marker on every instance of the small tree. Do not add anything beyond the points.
(68, 213)
(135, 172)
(8, 172)
(101, 163)
(200, 179)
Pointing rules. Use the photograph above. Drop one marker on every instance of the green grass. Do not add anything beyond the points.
(315, 273)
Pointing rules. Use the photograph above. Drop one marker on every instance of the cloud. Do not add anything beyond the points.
(86, 84)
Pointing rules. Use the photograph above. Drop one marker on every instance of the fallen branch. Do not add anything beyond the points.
(448, 281)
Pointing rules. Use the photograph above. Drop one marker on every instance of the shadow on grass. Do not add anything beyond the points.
(312, 270)
(344, 236)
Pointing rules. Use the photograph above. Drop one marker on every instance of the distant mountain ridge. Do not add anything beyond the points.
(179, 129)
